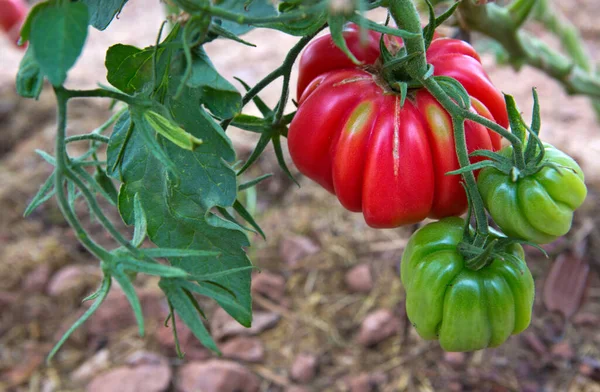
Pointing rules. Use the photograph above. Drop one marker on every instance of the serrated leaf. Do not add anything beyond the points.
(117, 144)
(58, 32)
(148, 134)
(140, 223)
(177, 209)
(171, 131)
(102, 12)
(30, 79)
(174, 252)
(215, 92)
(186, 309)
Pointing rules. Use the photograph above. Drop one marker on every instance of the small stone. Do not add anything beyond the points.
(223, 325)
(304, 368)
(366, 382)
(534, 342)
(378, 326)
(359, 279)
(7, 299)
(297, 388)
(563, 350)
(94, 365)
(36, 280)
(149, 373)
(530, 386)
(244, 349)
(454, 358)
(455, 386)
(295, 248)
(216, 376)
(269, 285)
(72, 278)
(587, 319)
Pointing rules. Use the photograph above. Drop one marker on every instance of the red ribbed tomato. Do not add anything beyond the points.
(351, 136)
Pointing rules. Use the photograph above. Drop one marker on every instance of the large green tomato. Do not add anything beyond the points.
(465, 309)
(537, 208)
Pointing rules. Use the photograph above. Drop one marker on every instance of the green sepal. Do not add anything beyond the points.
(455, 90)
(336, 26)
(254, 182)
(45, 193)
(127, 287)
(358, 19)
(241, 210)
(30, 79)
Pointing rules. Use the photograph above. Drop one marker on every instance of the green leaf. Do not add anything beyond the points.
(58, 32)
(131, 295)
(107, 185)
(30, 79)
(144, 128)
(241, 210)
(156, 269)
(26, 28)
(250, 123)
(254, 182)
(215, 92)
(171, 131)
(129, 68)
(254, 8)
(216, 29)
(102, 12)
(336, 26)
(122, 131)
(167, 252)
(178, 208)
(186, 309)
(44, 194)
(140, 223)
(369, 24)
(212, 289)
(309, 25)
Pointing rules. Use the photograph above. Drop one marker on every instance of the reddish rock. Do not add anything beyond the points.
(378, 326)
(297, 388)
(73, 278)
(295, 248)
(7, 299)
(304, 368)
(359, 279)
(365, 382)
(115, 313)
(92, 366)
(223, 325)
(189, 344)
(563, 350)
(244, 349)
(566, 284)
(587, 319)
(149, 373)
(36, 280)
(454, 359)
(216, 376)
(269, 285)
(534, 342)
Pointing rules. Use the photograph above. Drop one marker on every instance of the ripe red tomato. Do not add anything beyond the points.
(12, 15)
(351, 135)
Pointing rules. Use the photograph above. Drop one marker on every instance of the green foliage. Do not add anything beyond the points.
(58, 32)
(102, 12)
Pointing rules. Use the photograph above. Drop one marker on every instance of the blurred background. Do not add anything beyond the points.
(329, 306)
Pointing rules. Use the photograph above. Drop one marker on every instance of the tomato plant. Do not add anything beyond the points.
(465, 309)
(393, 120)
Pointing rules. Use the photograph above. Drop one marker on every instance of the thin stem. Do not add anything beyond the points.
(59, 180)
(90, 136)
(100, 93)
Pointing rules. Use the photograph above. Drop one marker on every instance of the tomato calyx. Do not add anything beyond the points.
(520, 163)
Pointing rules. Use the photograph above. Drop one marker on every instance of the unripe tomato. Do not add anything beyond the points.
(12, 15)
(465, 309)
(351, 135)
(537, 208)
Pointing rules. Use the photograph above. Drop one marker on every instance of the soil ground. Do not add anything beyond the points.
(319, 315)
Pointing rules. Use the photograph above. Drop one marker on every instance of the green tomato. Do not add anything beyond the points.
(465, 309)
(537, 208)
